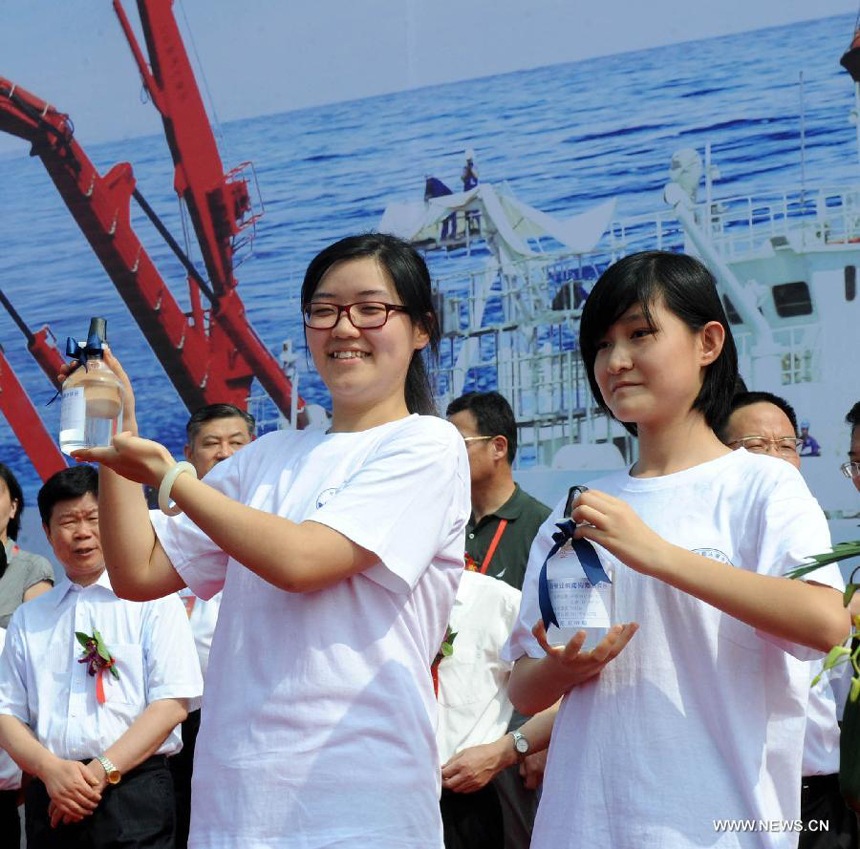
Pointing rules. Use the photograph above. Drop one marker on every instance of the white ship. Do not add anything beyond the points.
(786, 264)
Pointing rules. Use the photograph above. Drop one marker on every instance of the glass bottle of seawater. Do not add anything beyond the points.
(91, 410)
(578, 605)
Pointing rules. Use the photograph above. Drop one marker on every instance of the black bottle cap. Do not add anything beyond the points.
(97, 336)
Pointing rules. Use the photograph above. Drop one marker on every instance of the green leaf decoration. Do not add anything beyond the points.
(840, 551)
(835, 655)
(850, 589)
(83, 639)
(100, 646)
(114, 672)
(855, 689)
(447, 650)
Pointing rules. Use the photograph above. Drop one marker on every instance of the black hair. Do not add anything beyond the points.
(493, 416)
(745, 399)
(216, 411)
(411, 279)
(853, 417)
(688, 290)
(65, 485)
(15, 494)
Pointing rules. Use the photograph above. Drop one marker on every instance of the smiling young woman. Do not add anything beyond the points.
(339, 554)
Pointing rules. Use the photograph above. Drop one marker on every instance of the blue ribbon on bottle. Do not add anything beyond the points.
(76, 352)
(588, 559)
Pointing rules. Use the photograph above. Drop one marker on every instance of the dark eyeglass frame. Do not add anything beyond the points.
(347, 308)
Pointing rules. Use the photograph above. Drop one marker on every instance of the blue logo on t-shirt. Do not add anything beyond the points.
(327, 495)
(714, 554)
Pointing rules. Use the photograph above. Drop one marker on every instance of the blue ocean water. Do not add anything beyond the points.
(562, 137)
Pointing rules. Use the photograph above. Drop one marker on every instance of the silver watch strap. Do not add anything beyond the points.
(107, 764)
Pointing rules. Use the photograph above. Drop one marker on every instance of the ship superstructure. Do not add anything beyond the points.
(786, 263)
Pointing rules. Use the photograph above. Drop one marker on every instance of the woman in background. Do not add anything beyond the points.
(23, 575)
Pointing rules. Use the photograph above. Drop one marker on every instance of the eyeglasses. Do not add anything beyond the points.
(851, 470)
(365, 315)
(468, 439)
(785, 446)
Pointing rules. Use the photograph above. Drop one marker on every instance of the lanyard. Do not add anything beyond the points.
(503, 523)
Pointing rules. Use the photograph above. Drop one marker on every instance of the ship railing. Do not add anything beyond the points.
(660, 231)
(742, 225)
(548, 289)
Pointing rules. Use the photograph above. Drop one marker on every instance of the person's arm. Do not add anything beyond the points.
(294, 557)
(800, 612)
(37, 589)
(416, 479)
(142, 738)
(138, 566)
(473, 768)
(297, 557)
(73, 789)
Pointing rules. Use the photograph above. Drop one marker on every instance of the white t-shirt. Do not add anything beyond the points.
(318, 725)
(701, 717)
(474, 707)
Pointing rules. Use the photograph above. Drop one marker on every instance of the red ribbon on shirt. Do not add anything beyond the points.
(189, 601)
(100, 687)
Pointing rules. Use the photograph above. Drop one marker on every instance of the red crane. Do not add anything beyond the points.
(211, 355)
(26, 424)
(41, 344)
(16, 405)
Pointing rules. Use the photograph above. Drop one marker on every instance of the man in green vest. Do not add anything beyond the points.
(504, 519)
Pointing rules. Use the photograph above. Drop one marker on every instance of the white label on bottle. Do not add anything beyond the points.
(73, 409)
(578, 604)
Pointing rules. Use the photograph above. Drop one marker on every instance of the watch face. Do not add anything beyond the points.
(114, 776)
(521, 745)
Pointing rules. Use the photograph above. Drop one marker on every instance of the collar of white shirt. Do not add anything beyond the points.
(65, 586)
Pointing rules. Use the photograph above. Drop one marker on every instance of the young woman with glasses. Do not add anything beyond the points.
(339, 553)
(700, 717)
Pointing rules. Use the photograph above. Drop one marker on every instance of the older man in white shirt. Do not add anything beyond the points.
(94, 723)
(474, 714)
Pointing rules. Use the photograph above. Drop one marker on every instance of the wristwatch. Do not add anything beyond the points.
(521, 744)
(114, 775)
